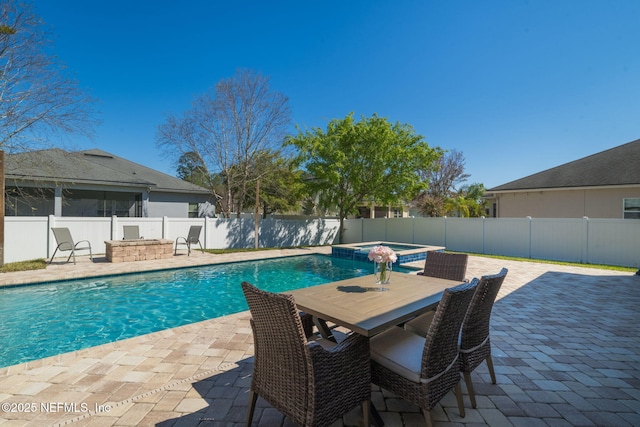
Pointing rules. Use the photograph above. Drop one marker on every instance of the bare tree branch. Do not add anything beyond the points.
(36, 98)
(228, 127)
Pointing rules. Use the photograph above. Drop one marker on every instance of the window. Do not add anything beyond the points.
(631, 209)
(98, 203)
(194, 210)
(28, 201)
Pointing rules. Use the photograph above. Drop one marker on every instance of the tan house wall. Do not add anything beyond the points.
(592, 203)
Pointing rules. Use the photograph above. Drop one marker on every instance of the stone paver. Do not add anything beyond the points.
(566, 351)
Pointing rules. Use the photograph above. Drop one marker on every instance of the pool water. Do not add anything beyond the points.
(39, 321)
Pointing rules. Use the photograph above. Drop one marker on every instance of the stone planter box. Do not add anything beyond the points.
(138, 250)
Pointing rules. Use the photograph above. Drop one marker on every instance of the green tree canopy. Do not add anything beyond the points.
(281, 186)
(355, 161)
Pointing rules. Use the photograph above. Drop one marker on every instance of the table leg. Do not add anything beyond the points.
(375, 416)
(325, 330)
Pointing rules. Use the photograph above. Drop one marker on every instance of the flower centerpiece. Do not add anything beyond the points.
(383, 258)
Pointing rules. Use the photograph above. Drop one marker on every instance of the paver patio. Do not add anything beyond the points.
(566, 346)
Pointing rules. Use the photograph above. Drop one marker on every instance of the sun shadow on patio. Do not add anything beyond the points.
(565, 350)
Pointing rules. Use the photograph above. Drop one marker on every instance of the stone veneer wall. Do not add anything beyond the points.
(138, 250)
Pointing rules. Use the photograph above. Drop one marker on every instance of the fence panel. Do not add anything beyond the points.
(559, 239)
(507, 236)
(429, 231)
(352, 231)
(374, 230)
(150, 228)
(614, 242)
(464, 234)
(401, 229)
(95, 230)
(25, 238)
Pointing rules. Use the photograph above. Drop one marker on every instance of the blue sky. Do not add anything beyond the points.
(517, 86)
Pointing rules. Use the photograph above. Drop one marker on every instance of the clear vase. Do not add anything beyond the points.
(382, 270)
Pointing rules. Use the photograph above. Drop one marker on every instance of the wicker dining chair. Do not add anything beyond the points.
(423, 369)
(314, 383)
(443, 266)
(475, 342)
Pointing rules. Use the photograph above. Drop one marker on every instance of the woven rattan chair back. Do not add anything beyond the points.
(281, 363)
(440, 356)
(445, 265)
(475, 343)
(310, 385)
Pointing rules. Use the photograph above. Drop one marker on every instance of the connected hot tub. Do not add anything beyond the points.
(406, 252)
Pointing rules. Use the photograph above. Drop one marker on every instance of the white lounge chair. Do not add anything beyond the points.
(192, 238)
(65, 243)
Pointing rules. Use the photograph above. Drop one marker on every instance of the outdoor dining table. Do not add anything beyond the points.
(359, 304)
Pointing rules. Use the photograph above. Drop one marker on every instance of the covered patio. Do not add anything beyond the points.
(565, 344)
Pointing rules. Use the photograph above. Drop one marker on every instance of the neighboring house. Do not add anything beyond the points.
(377, 211)
(603, 185)
(94, 183)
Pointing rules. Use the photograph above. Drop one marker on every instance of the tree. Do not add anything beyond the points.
(281, 186)
(442, 180)
(37, 99)
(371, 159)
(227, 127)
(473, 201)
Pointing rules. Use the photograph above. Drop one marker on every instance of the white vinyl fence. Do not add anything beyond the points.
(593, 241)
(29, 238)
(584, 240)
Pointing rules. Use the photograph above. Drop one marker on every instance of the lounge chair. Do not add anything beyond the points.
(65, 243)
(131, 232)
(314, 383)
(192, 238)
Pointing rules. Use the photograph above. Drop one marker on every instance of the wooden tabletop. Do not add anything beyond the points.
(360, 306)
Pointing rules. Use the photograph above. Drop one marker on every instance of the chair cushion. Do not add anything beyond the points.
(420, 324)
(399, 351)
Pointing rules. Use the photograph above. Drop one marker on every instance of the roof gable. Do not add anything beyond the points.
(616, 166)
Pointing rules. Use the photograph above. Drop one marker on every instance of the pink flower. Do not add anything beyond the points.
(382, 254)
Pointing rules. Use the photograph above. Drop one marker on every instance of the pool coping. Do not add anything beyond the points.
(418, 248)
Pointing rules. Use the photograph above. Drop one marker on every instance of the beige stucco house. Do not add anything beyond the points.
(603, 185)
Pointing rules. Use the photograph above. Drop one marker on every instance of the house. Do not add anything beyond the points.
(94, 183)
(603, 185)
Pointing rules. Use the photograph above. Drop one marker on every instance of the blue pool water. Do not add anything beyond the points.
(44, 320)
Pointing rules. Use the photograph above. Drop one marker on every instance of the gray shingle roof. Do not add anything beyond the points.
(92, 167)
(617, 166)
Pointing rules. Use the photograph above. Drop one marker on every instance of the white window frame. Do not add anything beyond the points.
(626, 207)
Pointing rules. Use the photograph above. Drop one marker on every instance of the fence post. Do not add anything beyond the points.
(114, 224)
(483, 235)
(165, 227)
(529, 237)
(584, 252)
(444, 231)
(206, 228)
(50, 223)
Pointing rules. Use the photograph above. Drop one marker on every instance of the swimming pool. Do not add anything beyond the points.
(38, 321)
